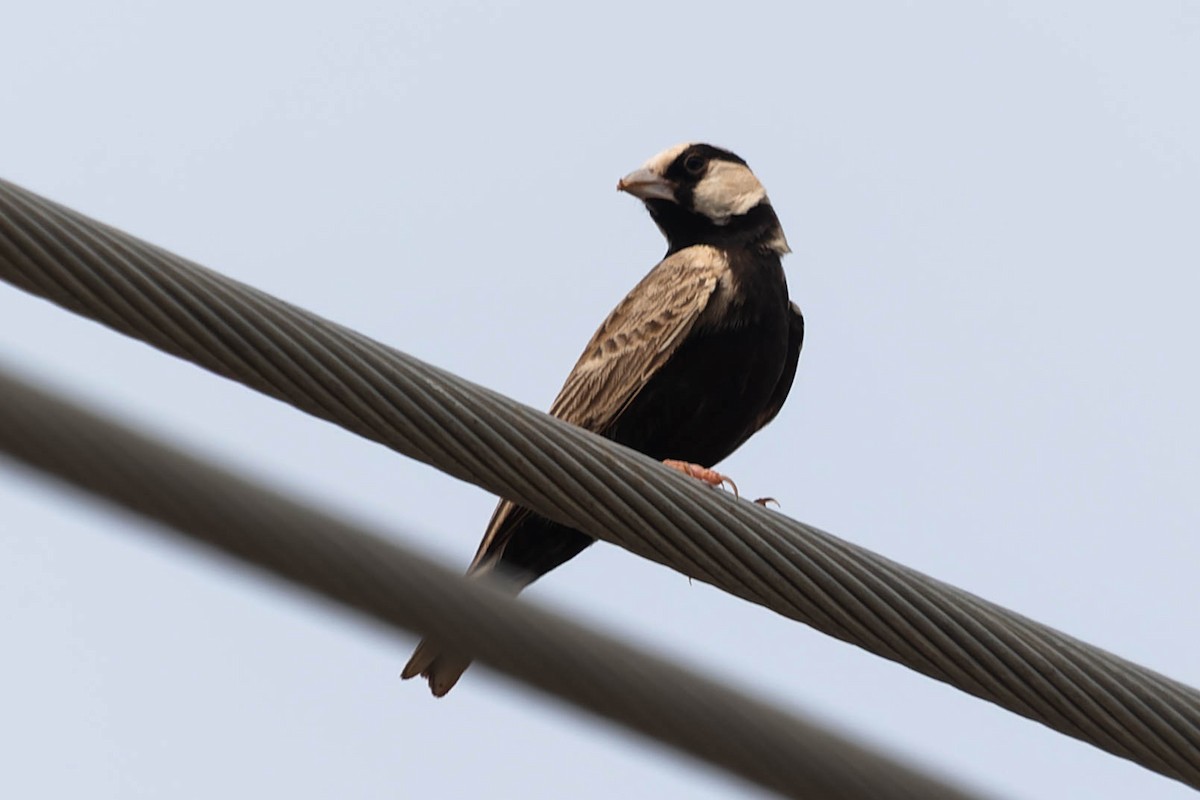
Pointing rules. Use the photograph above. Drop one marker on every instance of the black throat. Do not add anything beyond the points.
(757, 230)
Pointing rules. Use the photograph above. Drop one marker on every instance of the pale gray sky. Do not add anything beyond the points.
(993, 208)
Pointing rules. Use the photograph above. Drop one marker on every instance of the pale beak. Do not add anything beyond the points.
(647, 185)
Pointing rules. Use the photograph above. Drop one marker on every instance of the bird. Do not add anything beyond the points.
(699, 356)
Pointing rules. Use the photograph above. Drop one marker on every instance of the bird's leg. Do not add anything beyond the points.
(709, 476)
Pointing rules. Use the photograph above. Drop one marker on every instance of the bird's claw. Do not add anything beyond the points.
(709, 476)
(762, 501)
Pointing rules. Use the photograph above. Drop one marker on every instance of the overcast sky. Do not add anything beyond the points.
(994, 210)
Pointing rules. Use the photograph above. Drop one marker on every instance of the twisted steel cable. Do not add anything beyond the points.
(780, 752)
(596, 486)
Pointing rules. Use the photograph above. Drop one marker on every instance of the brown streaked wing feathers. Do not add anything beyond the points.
(638, 337)
(505, 518)
(631, 345)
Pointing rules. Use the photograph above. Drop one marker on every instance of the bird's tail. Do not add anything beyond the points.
(508, 561)
(441, 666)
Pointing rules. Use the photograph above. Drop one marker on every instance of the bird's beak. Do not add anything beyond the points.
(647, 185)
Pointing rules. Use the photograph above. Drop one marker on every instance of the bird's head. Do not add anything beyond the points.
(700, 194)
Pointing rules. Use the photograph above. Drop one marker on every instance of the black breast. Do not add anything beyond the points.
(704, 401)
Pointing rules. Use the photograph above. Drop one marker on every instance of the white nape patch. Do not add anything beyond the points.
(659, 163)
(778, 243)
(727, 190)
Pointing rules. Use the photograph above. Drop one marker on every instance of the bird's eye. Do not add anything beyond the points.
(694, 164)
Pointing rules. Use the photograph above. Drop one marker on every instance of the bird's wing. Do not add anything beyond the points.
(639, 336)
(505, 519)
(631, 345)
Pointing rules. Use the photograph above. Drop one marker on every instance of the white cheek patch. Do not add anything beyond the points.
(727, 190)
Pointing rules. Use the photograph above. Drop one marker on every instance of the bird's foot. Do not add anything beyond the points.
(709, 476)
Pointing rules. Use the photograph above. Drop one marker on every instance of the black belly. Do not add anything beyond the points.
(698, 408)
(703, 403)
